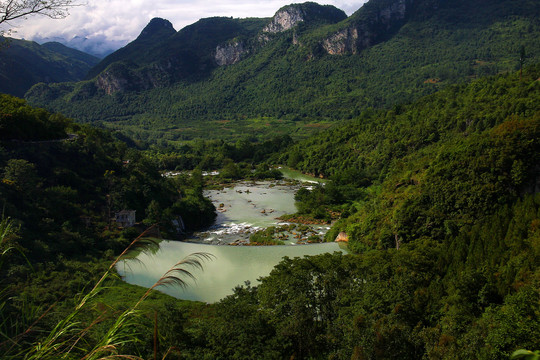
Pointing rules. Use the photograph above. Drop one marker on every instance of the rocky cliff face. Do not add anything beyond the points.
(311, 13)
(201, 50)
(342, 42)
(363, 34)
(119, 78)
(285, 19)
(231, 53)
(110, 82)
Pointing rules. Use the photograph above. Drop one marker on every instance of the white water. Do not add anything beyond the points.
(246, 208)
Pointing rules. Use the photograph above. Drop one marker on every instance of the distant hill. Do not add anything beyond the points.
(71, 52)
(25, 63)
(308, 64)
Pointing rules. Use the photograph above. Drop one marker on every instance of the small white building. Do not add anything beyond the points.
(125, 218)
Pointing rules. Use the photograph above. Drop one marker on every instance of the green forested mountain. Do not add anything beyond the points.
(71, 53)
(388, 52)
(25, 63)
(430, 167)
(191, 52)
(440, 202)
(154, 33)
(56, 184)
(432, 163)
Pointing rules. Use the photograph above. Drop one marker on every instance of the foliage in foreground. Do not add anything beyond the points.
(448, 236)
(59, 193)
(71, 337)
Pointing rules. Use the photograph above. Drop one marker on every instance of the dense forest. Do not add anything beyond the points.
(62, 184)
(429, 143)
(439, 199)
(25, 63)
(288, 84)
(443, 215)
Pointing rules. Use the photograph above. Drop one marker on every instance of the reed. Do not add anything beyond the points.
(69, 338)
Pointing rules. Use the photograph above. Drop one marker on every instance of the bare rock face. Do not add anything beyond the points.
(342, 237)
(359, 36)
(284, 20)
(110, 83)
(309, 12)
(231, 53)
(119, 78)
(342, 42)
(394, 11)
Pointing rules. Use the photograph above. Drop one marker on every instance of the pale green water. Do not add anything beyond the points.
(232, 266)
(246, 208)
(258, 204)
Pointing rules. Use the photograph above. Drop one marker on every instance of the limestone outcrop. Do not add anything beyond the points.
(362, 34)
(230, 53)
(285, 19)
(290, 16)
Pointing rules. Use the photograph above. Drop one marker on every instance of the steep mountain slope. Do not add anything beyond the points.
(155, 61)
(433, 166)
(25, 63)
(441, 199)
(160, 57)
(153, 34)
(388, 52)
(379, 138)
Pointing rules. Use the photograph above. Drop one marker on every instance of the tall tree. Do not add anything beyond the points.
(522, 56)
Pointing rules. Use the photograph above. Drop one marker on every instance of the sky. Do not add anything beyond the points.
(118, 22)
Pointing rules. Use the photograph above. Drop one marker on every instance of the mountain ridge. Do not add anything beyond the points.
(231, 69)
(24, 63)
(210, 38)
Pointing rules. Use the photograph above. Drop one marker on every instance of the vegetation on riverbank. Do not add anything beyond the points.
(59, 196)
(278, 235)
(439, 199)
(445, 221)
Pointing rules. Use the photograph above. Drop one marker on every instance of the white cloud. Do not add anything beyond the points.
(120, 21)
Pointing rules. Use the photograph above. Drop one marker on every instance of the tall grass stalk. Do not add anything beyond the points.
(7, 231)
(173, 277)
(68, 336)
(9, 324)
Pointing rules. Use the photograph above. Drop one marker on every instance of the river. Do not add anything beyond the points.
(231, 266)
(242, 210)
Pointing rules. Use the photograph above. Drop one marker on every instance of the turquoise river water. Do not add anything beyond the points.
(243, 209)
